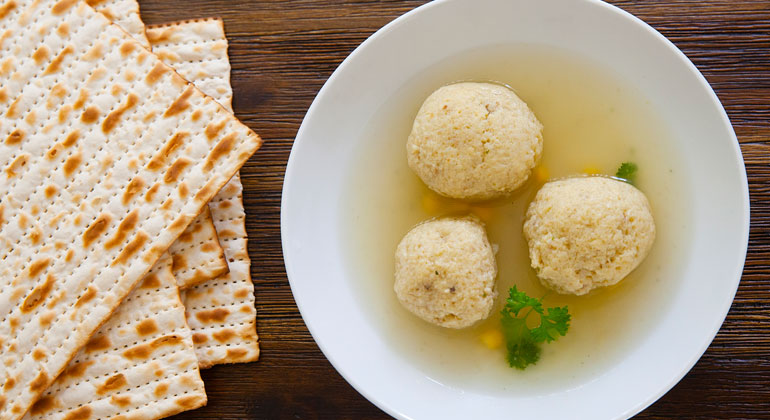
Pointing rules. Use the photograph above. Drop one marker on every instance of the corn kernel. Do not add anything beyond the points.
(592, 170)
(493, 339)
(541, 174)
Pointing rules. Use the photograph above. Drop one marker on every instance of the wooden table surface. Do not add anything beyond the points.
(283, 51)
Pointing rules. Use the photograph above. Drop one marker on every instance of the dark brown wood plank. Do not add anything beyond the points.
(283, 51)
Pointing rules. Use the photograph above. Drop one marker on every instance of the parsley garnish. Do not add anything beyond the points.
(627, 172)
(522, 342)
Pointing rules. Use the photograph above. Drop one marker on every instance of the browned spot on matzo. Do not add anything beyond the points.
(57, 92)
(9, 384)
(189, 402)
(47, 317)
(157, 37)
(143, 351)
(37, 267)
(235, 354)
(98, 343)
(81, 100)
(160, 390)
(108, 14)
(43, 405)
(30, 118)
(151, 192)
(180, 104)
(38, 295)
(179, 262)
(71, 164)
(77, 370)
(150, 282)
(96, 52)
(132, 248)
(40, 54)
(36, 235)
(147, 327)
(86, 297)
(112, 383)
(126, 226)
(132, 189)
(90, 115)
(213, 316)
(14, 321)
(40, 382)
(156, 73)
(206, 192)
(63, 30)
(15, 137)
(64, 113)
(56, 62)
(71, 138)
(184, 191)
(121, 400)
(173, 172)
(159, 160)
(53, 152)
(200, 276)
(213, 129)
(62, 6)
(224, 335)
(96, 229)
(38, 354)
(112, 119)
(199, 338)
(7, 8)
(180, 223)
(224, 147)
(82, 413)
(13, 110)
(127, 48)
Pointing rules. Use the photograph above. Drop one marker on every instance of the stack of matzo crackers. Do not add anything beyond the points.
(122, 229)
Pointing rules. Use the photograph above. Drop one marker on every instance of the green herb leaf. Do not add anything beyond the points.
(553, 324)
(523, 343)
(627, 172)
(522, 348)
(519, 300)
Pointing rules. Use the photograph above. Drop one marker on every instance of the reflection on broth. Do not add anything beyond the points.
(592, 122)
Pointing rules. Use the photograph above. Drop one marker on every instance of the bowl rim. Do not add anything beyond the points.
(300, 139)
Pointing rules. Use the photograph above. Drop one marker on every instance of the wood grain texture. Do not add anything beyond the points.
(283, 51)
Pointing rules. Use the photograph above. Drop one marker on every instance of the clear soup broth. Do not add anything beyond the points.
(593, 122)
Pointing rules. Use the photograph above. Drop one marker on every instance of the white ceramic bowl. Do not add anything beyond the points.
(322, 154)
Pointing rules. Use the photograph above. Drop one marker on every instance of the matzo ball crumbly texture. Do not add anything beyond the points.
(588, 232)
(445, 272)
(474, 141)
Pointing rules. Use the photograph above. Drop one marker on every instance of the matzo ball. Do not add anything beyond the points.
(445, 272)
(474, 141)
(589, 232)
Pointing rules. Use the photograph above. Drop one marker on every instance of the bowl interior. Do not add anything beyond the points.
(323, 154)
